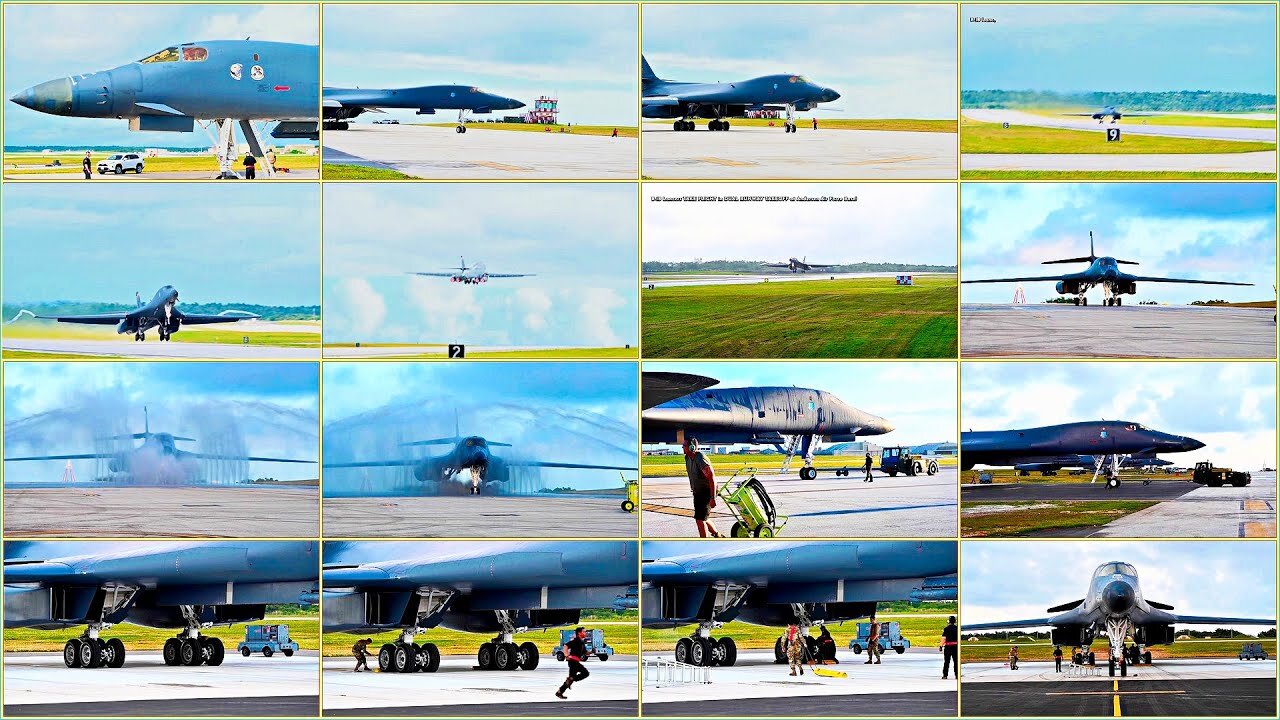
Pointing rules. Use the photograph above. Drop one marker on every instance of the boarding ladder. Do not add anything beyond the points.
(661, 672)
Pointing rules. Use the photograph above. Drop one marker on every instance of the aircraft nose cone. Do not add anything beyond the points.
(516, 105)
(1118, 597)
(1190, 444)
(830, 95)
(52, 97)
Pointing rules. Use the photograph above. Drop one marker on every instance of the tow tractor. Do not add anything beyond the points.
(1206, 474)
(894, 460)
(633, 494)
(753, 510)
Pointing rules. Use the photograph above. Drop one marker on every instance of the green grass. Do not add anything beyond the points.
(848, 318)
(899, 125)
(921, 625)
(606, 130)
(1110, 175)
(164, 163)
(304, 630)
(226, 335)
(343, 171)
(997, 650)
(28, 355)
(1058, 516)
(1221, 121)
(725, 465)
(619, 632)
(983, 138)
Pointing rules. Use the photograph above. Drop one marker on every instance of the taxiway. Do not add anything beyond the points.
(1147, 331)
(1218, 687)
(484, 516)
(457, 690)
(168, 350)
(186, 511)
(769, 153)
(40, 684)
(441, 153)
(828, 506)
(1131, 126)
(909, 684)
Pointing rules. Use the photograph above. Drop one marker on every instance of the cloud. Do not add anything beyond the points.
(367, 305)
(534, 303)
(280, 23)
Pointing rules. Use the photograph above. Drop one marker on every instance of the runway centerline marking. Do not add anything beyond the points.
(500, 166)
(725, 161)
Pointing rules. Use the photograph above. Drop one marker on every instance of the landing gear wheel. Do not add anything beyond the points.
(432, 652)
(484, 656)
(405, 658)
(529, 656)
(1075, 301)
(117, 652)
(1113, 482)
(1124, 669)
(384, 656)
(90, 653)
(1084, 301)
(684, 648)
(216, 652)
(71, 653)
(504, 656)
(1093, 659)
(808, 473)
(717, 653)
(1119, 302)
(730, 652)
(1111, 667)
(172, 652)
(779, 654)
(190, 653)
(700, 652)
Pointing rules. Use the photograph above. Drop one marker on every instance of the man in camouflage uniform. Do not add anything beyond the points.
(795, 647)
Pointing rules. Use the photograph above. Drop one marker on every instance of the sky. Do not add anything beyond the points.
(213, 242)
(578, 240)
(919, 398)
(886, 62)
(1072, 48)
(890, 222)
(48, 41)
(1198, 231)
(1224, 579)
(583, 54)
(274, 405)
(583, 412)
(1231, 407)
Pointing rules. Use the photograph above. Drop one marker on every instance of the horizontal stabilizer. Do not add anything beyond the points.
(1188, 282)
(1065, 606)
(1160, 605)
(1038, 622)
(659, 387)
(32, 572)
(1198, 619)
(1069, 260)
(569, 466)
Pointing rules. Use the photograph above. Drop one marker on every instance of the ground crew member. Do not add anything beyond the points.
(1013, 658)
(615, 132)
(361, 651)
(866, 468)
(795, 646)
(828, 645)
(950, 647)
(250, 165)
(575, 651)
(87, 166)
(1057, 658)
(271, 160)
(873, 642)
(815, 123)
(702, 483)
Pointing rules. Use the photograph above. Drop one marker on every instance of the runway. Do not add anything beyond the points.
(484, 516)
(1247, 162)
(458, 690)
(40, 684)
(769, 153)
(440, 351)
(1132, 126)
(162, 350)
(1054, 330)
(442, 153)
(910, 684)
(816, 276)
(1193, 687)
(829, 506)
(191, 511)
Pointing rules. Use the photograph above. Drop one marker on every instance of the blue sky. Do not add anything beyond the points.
(1231, 407)
(44, 42)
(886, 62)
(274, 406)
(919, 398)
(1198, 578)
(1200, 231)
(566, 411)
(213, 242)
(578, 240)
(890, 222)
(584, 54)
(1151, 48)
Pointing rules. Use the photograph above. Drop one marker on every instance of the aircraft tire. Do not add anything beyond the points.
(1113, 483)
(531, 656)
(1119, 302)
(1146, 657)
(1111, 667)
(779, 655)
(71, 653)
(700, 652)
(504, 656)
(90, 653)
(484, 656)
(217, 652)
(172, 655)
(405, 658)
(1124, 669)
(433, 657)
(730, 657)
(1093, 659)
(190, 653)
(684, 648)
(117, 652)
(1084, 301)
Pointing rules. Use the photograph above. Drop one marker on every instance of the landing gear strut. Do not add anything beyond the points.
(502, 653)
(791, 119)
(462, 118)
(404, 656)
(91, 651)
(190, 648)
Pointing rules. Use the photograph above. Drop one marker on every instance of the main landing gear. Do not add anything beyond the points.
(93, 652)
(192, 650)
(685, 126)
(404, 656)
(462, 122)
(705, 651)
(503, 654)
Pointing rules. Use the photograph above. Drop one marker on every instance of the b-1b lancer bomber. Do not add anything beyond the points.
(685, 101)
(223, 81)
(1110, 111)
(679, 406)
(1104, 271)
(344, 104)
(161, 313)
(797, 265)
(1113, 606)
(473, 275)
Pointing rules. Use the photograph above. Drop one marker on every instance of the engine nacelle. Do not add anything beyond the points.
(1071, 635)
(1154, 634)
(1125, 288)
(1068, 287)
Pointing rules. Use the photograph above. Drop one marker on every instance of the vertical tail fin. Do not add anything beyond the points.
(137, 298)
(646, 73)
(457, 427)
(146, 422)
(1092, 254)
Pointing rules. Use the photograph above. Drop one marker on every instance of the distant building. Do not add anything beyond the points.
(545, 111)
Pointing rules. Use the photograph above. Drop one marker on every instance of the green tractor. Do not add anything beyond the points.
(894, 460)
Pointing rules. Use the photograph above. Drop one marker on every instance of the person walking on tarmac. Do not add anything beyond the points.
(950, 647)
(1057, 658)
(702, 483)
(1013, 658)
(575, 651)
(250, 166)
(866, 468)
(361, 651)
(873, 642)
(795, 646)
(87, 166)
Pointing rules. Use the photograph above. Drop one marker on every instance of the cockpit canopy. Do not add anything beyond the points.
(1115, 568)
(475, 441)
(185, 53)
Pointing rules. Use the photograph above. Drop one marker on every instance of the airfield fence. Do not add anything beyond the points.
(661, 672)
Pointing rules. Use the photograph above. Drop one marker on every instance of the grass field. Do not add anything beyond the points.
(1108, 175)
(164, 163)
(725, 465)
(921, 625)
(344, 171)
(303, 629)
(983, 138)
(606, 130)
(1046, 515)
(26, 355)
(859, 318)
(222, 335)
(619, 632)
(825, 123)
(997, 650)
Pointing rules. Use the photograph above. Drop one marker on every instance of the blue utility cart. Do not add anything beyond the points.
(890, 638)
(268, 640)
(594, 641)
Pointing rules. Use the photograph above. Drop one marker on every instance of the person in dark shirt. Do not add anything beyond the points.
(866, 467)
(575, 653)
(702, 483)
(950, 647)
(87, 166)
(1057, 658)
(250, 166)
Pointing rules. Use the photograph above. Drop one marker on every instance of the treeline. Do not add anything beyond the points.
(754, 266)
(68, 307)
(1178, 101)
